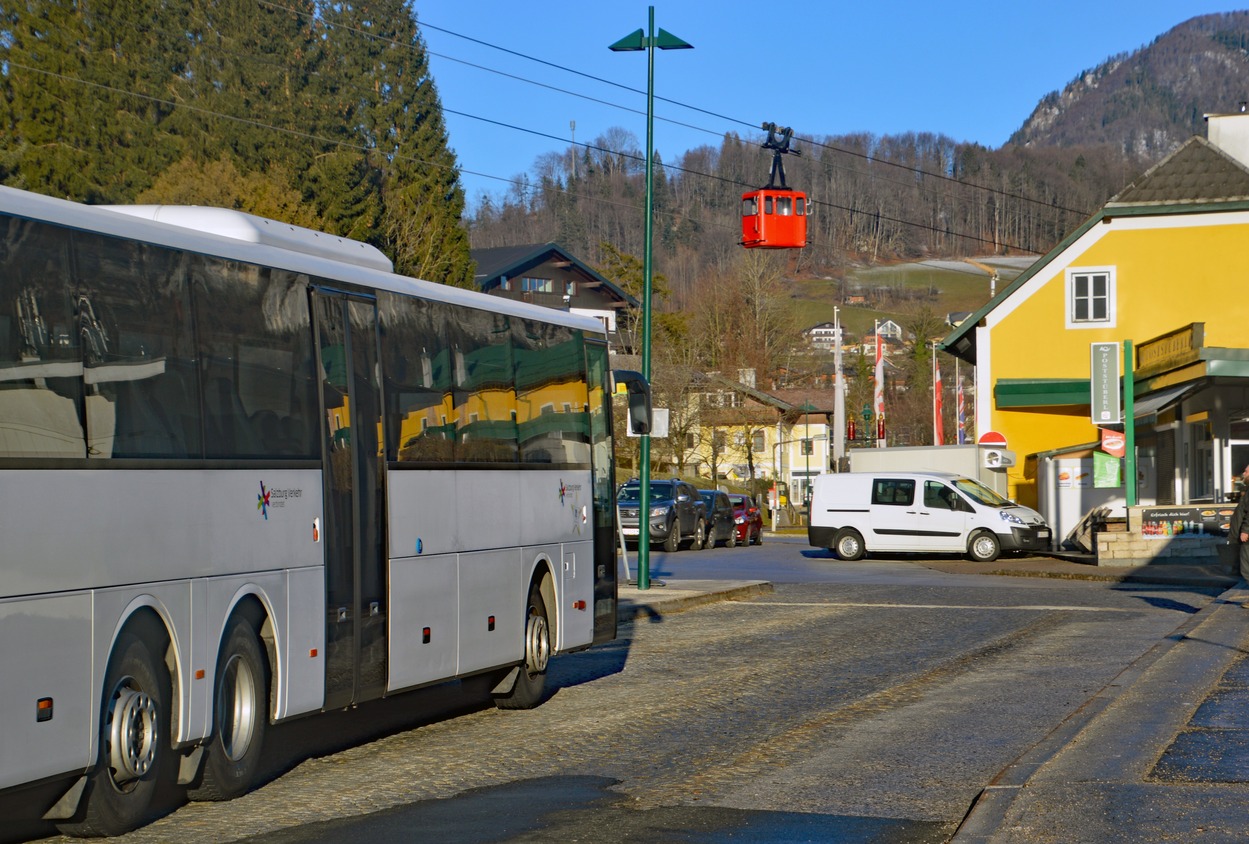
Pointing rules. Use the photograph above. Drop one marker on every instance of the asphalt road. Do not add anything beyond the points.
(866, 701)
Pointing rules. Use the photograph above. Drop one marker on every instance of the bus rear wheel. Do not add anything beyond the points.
(240, 717)
(530, 685)
(135, 753)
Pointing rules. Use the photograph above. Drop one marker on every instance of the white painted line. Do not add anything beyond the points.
(1025, 607)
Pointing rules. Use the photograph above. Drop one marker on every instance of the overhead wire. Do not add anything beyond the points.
(521, 184)
(754, 126)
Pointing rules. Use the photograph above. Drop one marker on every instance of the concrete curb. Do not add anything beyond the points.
(678, 596)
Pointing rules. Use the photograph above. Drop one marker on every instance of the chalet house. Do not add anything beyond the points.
(825, 336)
(890, 332)
(1164, 265)
(547, 274)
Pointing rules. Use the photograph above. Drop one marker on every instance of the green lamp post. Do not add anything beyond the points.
(647, 41)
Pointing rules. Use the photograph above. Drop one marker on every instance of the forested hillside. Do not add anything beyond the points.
(1150, 101)
(313, 112)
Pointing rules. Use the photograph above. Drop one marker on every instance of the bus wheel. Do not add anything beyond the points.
(530, 683)
(848, 545)
(984, 547)
(240, 717)
(134, 744)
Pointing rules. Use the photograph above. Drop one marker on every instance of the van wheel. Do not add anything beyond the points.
(984, 547)
(848, 544)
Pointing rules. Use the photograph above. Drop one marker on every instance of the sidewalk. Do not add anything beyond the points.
(1161, 753)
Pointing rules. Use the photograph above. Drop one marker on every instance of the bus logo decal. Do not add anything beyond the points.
(262, 501)
(563, 490)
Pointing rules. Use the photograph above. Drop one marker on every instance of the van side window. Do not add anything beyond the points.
(939, 496)
(896, 491)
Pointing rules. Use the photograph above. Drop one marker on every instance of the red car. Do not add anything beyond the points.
(747, 519)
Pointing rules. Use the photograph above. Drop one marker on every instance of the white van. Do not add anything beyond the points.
(853, 513)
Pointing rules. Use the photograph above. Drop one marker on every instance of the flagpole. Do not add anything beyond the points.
(935, 441)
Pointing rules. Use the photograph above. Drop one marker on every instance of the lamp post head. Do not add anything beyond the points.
(637, 40)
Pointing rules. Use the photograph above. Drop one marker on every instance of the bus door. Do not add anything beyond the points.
(355, 573)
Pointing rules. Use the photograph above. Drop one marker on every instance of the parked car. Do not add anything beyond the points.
(747, 520)
(854, 513)
(676, 513)
(720, 527)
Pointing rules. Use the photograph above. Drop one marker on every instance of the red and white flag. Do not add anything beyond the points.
(962, 415)
(880, 374)
(938, 424)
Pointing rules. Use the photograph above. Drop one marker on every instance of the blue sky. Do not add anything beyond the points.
(973, 70)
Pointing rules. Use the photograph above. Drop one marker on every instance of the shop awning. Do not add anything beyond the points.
(1155, 403)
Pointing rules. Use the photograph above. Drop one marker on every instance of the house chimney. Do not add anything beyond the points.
(747, 377)
(1230, 133)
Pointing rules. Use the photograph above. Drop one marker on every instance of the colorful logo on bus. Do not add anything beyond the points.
(262, 501)
(563, 490)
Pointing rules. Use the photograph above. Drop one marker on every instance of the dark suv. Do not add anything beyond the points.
(676, 513)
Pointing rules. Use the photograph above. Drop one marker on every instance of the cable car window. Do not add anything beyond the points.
(785, 206)
(767, 205)
(750, 206)
(800, 205)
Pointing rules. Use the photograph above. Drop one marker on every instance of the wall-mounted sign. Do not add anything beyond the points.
(1104, 371)
(1185, 522)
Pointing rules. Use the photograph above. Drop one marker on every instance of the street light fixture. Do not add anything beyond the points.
(648, 41)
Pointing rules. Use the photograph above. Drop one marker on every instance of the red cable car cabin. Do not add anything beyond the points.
(774, 218)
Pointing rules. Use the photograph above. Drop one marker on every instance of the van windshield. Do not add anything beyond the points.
(977, 491)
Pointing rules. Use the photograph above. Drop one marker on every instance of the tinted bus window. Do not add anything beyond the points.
(416, 364)
(256, 361)
(484, 394)
(134, 313)
(551, 398)
(41, 390)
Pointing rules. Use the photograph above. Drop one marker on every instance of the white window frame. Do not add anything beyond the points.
(1070, 301)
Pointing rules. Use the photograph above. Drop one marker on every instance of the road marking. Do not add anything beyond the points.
(1026, 607)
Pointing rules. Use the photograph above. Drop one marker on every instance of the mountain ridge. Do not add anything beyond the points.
(1149, 101)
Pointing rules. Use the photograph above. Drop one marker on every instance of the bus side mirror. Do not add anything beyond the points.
(638, 390)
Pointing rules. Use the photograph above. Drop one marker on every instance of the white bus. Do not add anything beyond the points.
(247, 473)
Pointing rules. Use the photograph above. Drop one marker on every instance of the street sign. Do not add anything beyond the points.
(992, 438)
(1105, 405)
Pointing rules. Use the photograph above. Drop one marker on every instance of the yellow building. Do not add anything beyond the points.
(1165, 265)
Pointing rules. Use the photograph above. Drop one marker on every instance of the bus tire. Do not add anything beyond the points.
(240, 717)
(848, 545)
(530, 686)
(135, 757)
(984, 546)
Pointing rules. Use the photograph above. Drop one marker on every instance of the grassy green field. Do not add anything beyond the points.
(895, 291)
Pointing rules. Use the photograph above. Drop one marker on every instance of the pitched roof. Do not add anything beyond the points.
(1197, 177)
(511, 260)
(1197, 172)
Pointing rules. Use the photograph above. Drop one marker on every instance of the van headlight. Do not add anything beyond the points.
(1011, 517)
(659, 511)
